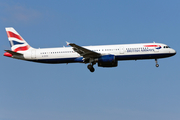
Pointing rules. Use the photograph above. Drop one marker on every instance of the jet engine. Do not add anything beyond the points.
(107, 61)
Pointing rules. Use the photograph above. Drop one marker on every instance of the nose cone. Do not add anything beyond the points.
(173, 51)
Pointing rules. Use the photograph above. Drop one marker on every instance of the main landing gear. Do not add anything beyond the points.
(90, 67)
(157, 65)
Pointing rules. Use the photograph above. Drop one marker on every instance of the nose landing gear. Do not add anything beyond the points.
(157, 65)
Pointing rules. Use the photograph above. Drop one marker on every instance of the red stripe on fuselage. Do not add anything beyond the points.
(151, 45)
(24, 48)
(11, 34)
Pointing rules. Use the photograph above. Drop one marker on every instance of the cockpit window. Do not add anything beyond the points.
(166, 47)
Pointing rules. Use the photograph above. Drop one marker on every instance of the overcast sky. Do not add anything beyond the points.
(134, 90)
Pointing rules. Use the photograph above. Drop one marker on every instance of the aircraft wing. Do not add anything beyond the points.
(86, 53)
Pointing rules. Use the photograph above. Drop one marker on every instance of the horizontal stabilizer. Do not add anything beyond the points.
(12, 52)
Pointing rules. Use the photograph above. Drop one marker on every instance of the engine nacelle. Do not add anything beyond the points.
(107, 61)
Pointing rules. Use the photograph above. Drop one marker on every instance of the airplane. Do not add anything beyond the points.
(103, 55)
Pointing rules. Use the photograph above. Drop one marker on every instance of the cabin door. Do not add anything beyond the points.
(33, 54)
(121, 50)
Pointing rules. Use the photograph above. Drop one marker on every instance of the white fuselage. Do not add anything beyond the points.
(121, 52)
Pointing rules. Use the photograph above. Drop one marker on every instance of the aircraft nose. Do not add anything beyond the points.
(173, 51)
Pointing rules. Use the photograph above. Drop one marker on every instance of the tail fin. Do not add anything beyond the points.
(16, 41)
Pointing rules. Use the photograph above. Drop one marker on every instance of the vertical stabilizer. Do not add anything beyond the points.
(16, 41)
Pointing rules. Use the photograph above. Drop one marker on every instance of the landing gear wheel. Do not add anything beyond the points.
(91, 68)
(157, 65)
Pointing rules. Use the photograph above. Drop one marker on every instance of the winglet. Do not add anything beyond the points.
(67, 43)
